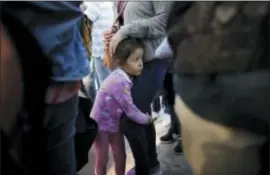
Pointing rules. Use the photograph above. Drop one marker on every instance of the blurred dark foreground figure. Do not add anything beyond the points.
(43, 60)
(22, 100)
(221, 81)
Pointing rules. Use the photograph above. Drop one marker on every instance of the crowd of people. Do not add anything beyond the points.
(77, 74)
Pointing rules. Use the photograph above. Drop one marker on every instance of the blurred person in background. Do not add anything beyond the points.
(102, 16)
(221, 81)
(46, 124)
(164, 51)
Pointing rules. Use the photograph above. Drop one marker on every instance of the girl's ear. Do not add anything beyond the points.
(117, 62)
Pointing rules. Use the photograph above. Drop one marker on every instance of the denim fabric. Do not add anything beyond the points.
(54, 26)
(60, 128)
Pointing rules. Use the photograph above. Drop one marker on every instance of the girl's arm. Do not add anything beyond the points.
(123, 97)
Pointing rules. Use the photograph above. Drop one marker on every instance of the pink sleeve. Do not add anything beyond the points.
(123, 97)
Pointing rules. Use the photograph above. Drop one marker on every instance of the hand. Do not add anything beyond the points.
(108, 35)
(150, 119)
(116, 39)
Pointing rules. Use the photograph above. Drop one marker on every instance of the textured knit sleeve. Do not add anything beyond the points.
(123, 97)
(154, 27)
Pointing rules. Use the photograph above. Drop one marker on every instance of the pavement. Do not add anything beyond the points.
(171, 163)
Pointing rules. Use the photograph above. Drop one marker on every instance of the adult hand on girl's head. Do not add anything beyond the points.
(116, 39)
(108, 34)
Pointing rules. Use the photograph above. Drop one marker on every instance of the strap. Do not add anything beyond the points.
(120, 13)
(85, 30)
(83, 89)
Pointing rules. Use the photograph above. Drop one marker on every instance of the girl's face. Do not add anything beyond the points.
(134, 63)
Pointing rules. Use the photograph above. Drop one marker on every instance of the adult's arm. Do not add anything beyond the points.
(151, 28)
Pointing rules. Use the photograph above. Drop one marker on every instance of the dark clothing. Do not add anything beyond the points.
(156, 104)
(220, 42)
(236, 100)
(47, 145)
(120, 5)
(55, 28)
(60, 128)
(142, 138)
(148, 84)
(168, 86)
(25, 146)
(170, 95)
(86, 131)
(239, 101)
(231, 93)
(175, 125)
(136, 136)
(9, 165)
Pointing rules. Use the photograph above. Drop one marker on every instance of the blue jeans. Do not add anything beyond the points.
(60, 128)
(101, 71)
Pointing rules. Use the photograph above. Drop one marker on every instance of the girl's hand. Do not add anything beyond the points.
(150, 119)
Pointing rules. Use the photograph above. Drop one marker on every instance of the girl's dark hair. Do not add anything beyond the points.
(125, 48)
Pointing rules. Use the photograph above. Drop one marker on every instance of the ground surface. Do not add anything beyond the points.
(172, 164)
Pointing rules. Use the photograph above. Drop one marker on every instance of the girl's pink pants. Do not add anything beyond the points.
(103, 140)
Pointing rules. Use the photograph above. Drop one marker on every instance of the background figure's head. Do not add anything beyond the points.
(129, 55)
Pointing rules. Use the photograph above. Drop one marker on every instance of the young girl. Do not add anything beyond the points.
(113, 99)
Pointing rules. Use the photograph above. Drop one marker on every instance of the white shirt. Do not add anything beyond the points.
(164, 50)
(102, 16)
